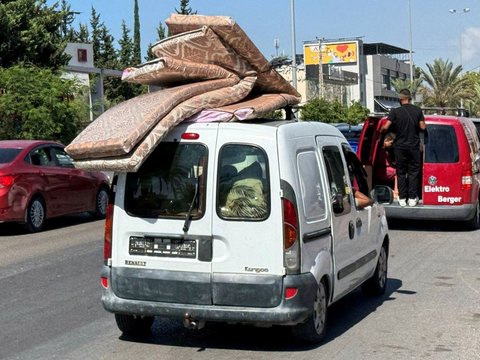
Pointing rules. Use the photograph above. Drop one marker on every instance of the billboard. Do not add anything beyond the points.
(331, 53)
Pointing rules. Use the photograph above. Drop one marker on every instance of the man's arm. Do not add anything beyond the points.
(385, 126)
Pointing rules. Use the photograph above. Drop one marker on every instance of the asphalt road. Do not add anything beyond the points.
(50, 304)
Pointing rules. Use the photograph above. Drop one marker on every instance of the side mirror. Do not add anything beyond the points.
(337, 203)
(382, 194)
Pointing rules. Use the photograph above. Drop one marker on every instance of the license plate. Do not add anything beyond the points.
(163, 247)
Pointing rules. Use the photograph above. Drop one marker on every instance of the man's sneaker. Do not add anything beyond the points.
(412, 202)
(402, 202)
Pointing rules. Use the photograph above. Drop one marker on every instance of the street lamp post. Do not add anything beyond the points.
(411, 41)
(463, 11)
(294, 51)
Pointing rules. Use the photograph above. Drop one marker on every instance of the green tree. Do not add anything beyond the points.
(444, 85)
(356, 113)
(137, 52)
(319, 109)
(413, 86)
(161, 34)
(39, 104)
(185, 9)
(31, 32)
(473, 104)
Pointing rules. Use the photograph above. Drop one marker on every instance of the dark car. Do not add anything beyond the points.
(38, 181)
(351, 133)
(476, 122)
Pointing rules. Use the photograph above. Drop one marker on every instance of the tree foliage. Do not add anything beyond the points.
(137, 54)
(444, 87)
(319, 109)
(38, 104)
(31, 32)
(185, 9)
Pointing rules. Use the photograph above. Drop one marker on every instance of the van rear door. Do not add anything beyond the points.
(247, 264)
(442, 168)
(158, 253)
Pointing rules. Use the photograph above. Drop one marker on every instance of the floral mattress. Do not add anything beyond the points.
(208, 70)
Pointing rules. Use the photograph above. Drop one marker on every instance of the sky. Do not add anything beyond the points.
(435, 31)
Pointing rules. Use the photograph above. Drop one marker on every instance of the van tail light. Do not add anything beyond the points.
(467, 179)
(107, 239)
(291, 248)
(6, 181)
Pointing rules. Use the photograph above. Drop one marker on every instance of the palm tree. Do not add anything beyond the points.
(413, 86)
(444, 85)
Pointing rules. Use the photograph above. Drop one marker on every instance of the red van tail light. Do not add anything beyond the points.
(291, 247)
(290, 224)
(107, 240)
(6, 181)
(467, 179)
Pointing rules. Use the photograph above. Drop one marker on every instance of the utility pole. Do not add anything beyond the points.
(294, 50)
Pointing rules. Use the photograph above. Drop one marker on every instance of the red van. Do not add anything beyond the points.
(450, 185)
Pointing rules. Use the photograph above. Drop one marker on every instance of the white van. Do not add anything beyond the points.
(242, 223)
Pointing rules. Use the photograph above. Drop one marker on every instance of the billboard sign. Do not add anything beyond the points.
(331, 53)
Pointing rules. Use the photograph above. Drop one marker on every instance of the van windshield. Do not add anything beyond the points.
(165, 184)
(441, 145)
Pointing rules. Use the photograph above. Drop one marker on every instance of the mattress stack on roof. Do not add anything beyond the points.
(208, 69)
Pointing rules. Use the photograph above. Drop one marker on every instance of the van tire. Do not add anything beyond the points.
(134, 325)
(314, 328)
(377, 284)
(36, 215)
(474, 223)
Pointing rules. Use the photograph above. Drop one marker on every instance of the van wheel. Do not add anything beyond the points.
(101, 202)
(35, 215)
(314, 329)
(134, 325)
(377, 284)
(474, 223)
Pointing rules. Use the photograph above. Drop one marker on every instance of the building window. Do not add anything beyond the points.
(82, 55)
(386, 82)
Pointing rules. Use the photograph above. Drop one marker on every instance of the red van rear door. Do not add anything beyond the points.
(443, 168)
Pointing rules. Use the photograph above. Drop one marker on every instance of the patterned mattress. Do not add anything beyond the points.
(208, 70)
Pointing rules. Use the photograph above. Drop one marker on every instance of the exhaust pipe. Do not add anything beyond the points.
(191, 323)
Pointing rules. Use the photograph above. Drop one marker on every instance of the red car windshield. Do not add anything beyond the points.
(7, 155)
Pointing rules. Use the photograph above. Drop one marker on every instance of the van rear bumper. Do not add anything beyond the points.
(287, 312)
(430, 212)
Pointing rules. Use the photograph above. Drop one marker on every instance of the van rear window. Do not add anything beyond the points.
(171, 179)
(243, 183)
(441, 145)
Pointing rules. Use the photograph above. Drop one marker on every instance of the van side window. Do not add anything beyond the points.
(168, 182)
(243, 185)
(445, 147)
(337, 177)
(356, 171)
(313, 193)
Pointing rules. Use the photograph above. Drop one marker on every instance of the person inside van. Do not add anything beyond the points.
(384, 165)
(407, 122)
(361, 200)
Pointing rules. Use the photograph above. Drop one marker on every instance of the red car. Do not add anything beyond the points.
(38, 181)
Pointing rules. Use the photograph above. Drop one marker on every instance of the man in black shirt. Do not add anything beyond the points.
(406, 121)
